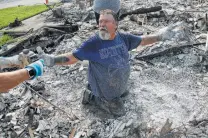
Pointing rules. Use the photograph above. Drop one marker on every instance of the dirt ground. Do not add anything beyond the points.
(168, 94)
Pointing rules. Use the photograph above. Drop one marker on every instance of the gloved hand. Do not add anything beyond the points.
(49, 60)
(29, 55)
(14, 61)
(169, 32)
(21, 60)
(166, 33)
(37, 67)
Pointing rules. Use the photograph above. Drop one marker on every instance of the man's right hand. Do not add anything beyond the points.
(49, 60)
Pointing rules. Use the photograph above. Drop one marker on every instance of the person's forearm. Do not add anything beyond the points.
(61, 60)
(9, 80)
(65, 59)
(150, 39)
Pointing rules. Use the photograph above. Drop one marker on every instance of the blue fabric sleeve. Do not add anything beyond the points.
(132, 41)
(84, 52)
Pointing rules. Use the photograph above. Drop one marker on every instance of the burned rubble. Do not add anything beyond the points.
(168, 84)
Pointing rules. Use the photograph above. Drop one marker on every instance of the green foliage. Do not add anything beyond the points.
(8, 15)
(4, 39)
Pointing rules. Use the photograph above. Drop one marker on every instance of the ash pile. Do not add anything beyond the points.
(168, 83)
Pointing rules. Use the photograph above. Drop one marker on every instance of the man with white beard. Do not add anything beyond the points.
(109, 68)
(99, 5)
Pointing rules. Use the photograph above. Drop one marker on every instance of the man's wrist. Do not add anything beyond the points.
(61, 59)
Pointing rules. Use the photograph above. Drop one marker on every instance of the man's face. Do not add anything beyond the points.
(107, 26)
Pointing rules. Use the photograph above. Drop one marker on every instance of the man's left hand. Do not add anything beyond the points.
(169, 32)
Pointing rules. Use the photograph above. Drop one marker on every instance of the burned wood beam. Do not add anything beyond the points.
(7, 32)
(42, 43)
(66, 28)
(198, 122)
(16, 43)
(166, 51)
(50, 31)
(141, 11)
(16, 33)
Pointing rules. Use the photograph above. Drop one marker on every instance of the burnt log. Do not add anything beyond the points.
(16, 43)
(160, 15)
(15, 33)
(66, 28)
(141, 11)
(198, 122)
(166, 51)
(51, 31)
(42, 43)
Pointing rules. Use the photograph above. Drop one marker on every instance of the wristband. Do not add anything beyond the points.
(31, 72)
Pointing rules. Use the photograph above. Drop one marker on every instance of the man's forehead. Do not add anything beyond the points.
(106, 16)
(107, 13)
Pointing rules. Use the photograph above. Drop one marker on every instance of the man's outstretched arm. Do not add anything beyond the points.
(149, 39)
(65, 59)
(166, 33)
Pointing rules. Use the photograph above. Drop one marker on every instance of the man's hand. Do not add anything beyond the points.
(171, 31)
(166, 33)
(49, 60)
(14, 61)
(29, 55)
(37, 68)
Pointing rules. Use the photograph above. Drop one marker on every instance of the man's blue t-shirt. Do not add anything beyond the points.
(109, 67)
